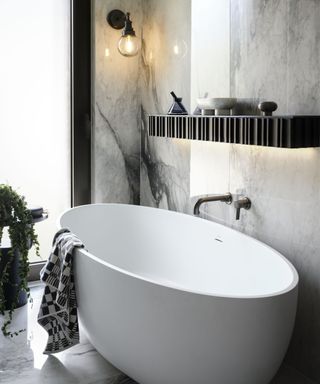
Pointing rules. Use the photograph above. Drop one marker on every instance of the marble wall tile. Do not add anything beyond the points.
(165, 163)
(126, 91)
(258, 50)
(213, 156)
(116, 149)
(166, 53)
(303, 57)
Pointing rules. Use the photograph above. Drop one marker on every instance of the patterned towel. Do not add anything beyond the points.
(58, 310)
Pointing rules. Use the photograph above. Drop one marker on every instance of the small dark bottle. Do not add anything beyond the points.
(177, 107)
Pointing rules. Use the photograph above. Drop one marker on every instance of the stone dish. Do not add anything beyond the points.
(216, 105)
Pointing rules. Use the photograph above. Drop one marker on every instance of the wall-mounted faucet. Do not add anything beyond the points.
(227, 198)
(243, 202)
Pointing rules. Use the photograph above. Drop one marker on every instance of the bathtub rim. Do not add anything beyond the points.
(292, 286)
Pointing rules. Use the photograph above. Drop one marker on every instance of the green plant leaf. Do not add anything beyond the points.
(15, 215)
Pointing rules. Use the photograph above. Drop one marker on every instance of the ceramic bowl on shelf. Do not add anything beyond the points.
(216, 105)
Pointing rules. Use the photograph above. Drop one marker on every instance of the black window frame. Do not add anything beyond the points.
(81, 108)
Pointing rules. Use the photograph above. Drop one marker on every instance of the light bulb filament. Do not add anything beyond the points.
(128, 45)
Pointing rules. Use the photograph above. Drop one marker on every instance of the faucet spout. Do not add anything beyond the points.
(226, 197)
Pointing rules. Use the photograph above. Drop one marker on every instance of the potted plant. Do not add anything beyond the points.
(14, 264)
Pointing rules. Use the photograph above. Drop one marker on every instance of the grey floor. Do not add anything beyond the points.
(22, 360)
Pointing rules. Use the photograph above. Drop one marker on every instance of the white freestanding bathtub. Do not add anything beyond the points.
(169, 298)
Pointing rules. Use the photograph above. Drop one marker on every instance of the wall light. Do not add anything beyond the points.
(128, 44)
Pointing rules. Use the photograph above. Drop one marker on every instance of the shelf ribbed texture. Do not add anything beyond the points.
(270, 131)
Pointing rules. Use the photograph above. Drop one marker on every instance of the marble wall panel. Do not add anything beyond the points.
(259, 50)
(165, 67)
(126, 91)
(303, 56)
(117, 100)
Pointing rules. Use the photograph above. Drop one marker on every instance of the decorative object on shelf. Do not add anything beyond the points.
(198, 111)
(246, 107)
(129, 44)
(218, 106)
(177, 107)
(268, 131)
(267, 107)
(14, 264)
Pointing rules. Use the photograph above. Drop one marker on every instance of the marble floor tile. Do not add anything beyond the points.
(22, 360)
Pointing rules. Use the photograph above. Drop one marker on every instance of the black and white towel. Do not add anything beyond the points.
(58, 310)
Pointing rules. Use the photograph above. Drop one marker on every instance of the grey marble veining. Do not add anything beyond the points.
(163, 184)
(126, 90)
(259, 50)
(116, 151)
(165, 166)
(303, 56)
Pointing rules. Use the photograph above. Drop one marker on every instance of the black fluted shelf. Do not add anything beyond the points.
(269, 131)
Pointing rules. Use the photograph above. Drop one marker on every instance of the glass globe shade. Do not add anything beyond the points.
(128, 45)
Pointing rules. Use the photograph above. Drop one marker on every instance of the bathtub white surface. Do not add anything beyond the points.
(169, 298)
(22, 360)
(182, 251)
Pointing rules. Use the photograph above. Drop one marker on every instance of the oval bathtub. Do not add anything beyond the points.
(169, 298)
